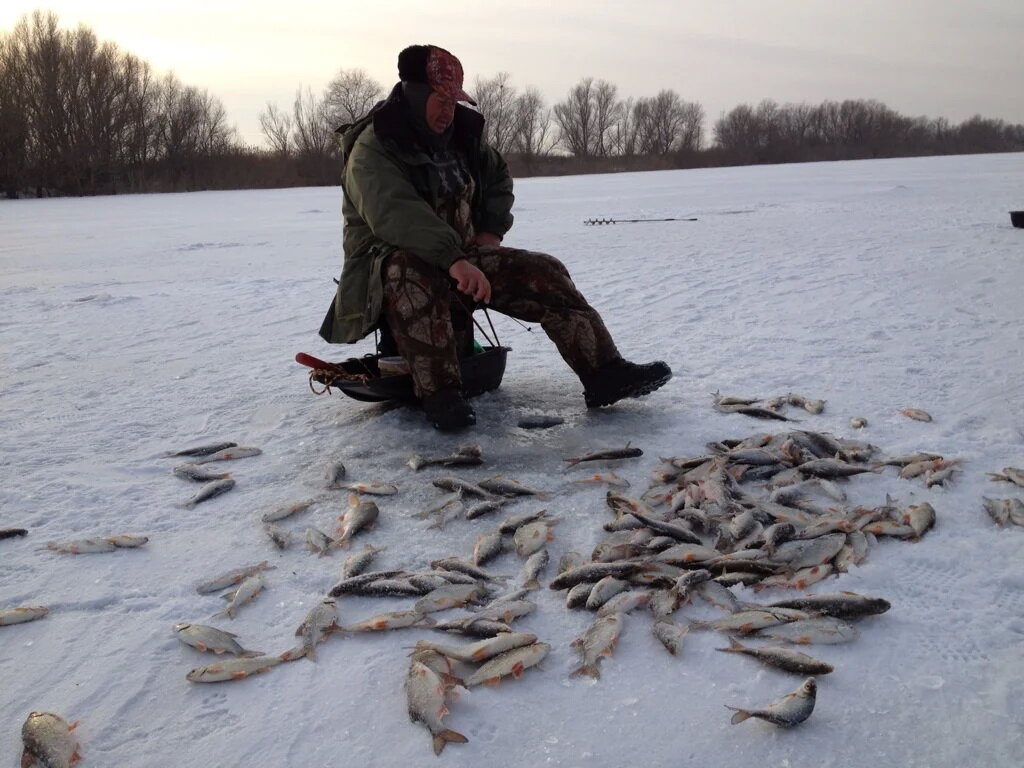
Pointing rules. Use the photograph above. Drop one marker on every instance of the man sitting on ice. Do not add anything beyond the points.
(426, 205)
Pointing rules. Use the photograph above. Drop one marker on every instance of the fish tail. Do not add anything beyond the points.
(442, 738)
(734, 647)
(531, 585)
(452, 681)
(740, 716)
(590, 670)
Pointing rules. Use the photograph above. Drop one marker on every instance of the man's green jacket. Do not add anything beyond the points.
(390, 187)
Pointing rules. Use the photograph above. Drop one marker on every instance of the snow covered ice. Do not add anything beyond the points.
(134, 325)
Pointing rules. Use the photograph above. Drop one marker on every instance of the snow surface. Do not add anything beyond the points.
(137, 324)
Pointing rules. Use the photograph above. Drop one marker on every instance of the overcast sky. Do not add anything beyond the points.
(931, 57)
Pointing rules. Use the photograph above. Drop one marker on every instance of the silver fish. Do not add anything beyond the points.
(204, 638)
(916, 414)
(488, 546)
(441, 666)
(334, 474)
(359, 515)
(753, 410)
(613, 454)
(22, 614)
(604, 590)
(728, 400)
(745, 622)
(198, 474)
(910, 458)
(472, 627)
(844, 605)
(823, 630)
(998, 509)
(532, 537)
(247, 591)
(608, 478)
(81, 546)
(127, 541)
(506, 486)
(461, 566)
(831, 468)
(577, 596)
(452, 596)
(570, 560)
(370, 489)
(278, 535)
(390, 588)
(718, 595)
(802, 579)
(210, 491)
(533, 568)
(321, 621)
(593, 572)
(920, 517)
(228, 454)
(781, 658)
(360, 561)
(939, 476)
(425, 694)
(792, 709)
(624, 602)
(453, 483)
(539, 421)
(48, 741)
(318, 541)
(394, 620)
(482, 650)
(276, 515)
(1010, 475)
(202, 450)
(233, 669)
(230, 578)
(485, 507)
(442, 510)
(669, 634)
(803, 553)
(512, 663)
(512, 524)
(505, 611)
(465, 455)
(599, 640)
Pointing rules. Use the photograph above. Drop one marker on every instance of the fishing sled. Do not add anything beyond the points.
(361, 378)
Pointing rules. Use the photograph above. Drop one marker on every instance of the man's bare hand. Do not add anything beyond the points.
(471, 281)
(486, 240)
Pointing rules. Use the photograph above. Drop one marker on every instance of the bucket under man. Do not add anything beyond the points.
(427, 204)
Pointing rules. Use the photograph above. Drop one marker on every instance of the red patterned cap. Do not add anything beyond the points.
(444, 74)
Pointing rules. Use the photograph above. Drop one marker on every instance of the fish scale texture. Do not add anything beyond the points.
(137, 324)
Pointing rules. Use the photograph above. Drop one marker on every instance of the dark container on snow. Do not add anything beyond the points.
(1017, 219)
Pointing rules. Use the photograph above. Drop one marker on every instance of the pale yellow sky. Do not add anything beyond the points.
(951, 59)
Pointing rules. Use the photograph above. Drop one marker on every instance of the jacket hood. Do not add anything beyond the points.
(391, 120)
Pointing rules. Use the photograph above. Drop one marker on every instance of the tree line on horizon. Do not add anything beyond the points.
(81, 117)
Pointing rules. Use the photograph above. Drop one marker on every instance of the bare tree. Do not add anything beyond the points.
(607, 109)
(350, 95)
(534, 136)
(576, 120)
(312, 135)
(496, 100)
(276, 127)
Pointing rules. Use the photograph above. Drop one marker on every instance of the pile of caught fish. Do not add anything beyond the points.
(215, 483)
(763, 511)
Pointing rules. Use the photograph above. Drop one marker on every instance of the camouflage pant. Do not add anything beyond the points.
(432, 325)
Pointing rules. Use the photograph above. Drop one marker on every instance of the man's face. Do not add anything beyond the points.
(440, 112)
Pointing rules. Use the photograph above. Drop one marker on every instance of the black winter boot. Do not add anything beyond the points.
(622, 378)
(448, 410)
